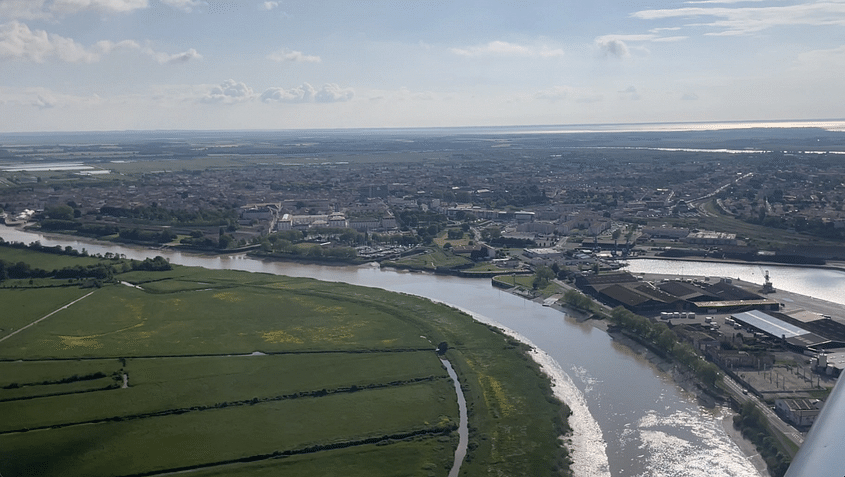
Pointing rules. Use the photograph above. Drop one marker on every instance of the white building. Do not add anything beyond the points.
(710, 238)
(523, 216)
(338, 220)
(800, 412)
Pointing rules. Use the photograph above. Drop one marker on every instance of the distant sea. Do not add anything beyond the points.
(833, 125)
(836, 125)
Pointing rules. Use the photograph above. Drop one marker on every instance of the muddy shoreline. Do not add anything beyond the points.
(682, 380)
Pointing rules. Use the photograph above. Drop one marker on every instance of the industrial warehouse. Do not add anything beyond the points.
(747, 313)
(624, 289)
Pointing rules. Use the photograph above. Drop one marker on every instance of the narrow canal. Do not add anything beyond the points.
(463, 425)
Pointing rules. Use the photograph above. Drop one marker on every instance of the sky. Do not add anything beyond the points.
(98, 65)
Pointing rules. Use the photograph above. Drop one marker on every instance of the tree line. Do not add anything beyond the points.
(103, 270)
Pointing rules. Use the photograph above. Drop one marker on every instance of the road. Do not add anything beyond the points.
(701, 201)
(795, 436)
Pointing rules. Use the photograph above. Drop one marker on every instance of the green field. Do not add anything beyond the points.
(46, 261)
(229, 373)
(433, 259)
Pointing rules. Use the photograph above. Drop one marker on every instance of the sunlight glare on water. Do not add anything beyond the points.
(707, 452)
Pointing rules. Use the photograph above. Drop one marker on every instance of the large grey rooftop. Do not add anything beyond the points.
(769, 324)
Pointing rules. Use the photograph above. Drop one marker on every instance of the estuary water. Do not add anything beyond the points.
(825, 284)
(629, 418)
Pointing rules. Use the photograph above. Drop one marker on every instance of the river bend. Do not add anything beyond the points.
(629, 418)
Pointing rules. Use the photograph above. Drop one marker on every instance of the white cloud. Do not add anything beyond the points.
(269, 5)
(44, 102)
(108, 6)
(721, 1)
(821, 64)
(617, 46)
(633, 38)
(630, 93)
(403, 95)
(329, 93)
(44, 98)
(41, 9)
(613, 47)
(658, 30)
(556, 93)
(568, 93)
(22, 9)
(689, 97)
(406, 94)
(18, 42)
(669, 39)
(503, 48)
(228, 92)
(300, 94)
(652, 37)
(164, 58)
(107, 46)
(184, 5)
(286, 55)
(823, 57)
(332, 93)
(747, 20)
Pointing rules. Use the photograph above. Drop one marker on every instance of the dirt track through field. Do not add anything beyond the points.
(48, 315)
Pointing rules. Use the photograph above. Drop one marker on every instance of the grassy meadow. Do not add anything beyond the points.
(226, 373)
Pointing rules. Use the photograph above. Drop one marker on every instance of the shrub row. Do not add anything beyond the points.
(244, 402)
(755, 428)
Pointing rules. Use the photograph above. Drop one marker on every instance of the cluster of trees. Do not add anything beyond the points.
(281, 241)
(427, 224)
(542, 277)
(88, 229)
(291, 243)
(809, 225)
(157, 264)
(56, 250)
(155, 214)
(102, 271)
(512, 242)
(661, 337)
(63, 217)
(755, 428)
(197, 239)
(139, 235)
(493, 236)
(578, 300)
(515, 196)
(71, 379)
(310, 252)
(284, 241)
(62, 212)
(22, 270)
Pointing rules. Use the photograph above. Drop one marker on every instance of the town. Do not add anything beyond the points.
(551, 217)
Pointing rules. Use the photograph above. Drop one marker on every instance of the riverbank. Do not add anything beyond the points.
(595, 373)
(682, 380)
(688, 384)
(354, 383)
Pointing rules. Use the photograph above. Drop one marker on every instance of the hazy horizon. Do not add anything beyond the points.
(120, 65)
(830, 125)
